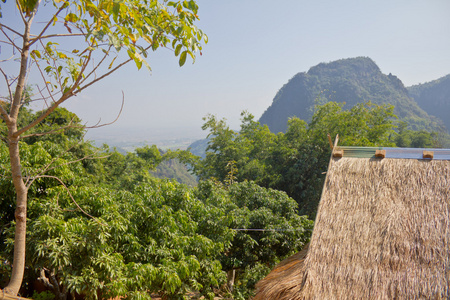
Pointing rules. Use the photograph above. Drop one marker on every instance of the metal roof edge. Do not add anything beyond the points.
(399, 153)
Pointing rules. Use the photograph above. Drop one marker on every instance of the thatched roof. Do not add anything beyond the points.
(382, 231)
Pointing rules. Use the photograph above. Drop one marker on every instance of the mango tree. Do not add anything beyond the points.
(100, 31)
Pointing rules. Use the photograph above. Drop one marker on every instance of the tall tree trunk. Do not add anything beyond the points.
(18, 266)
(20, 215)
(231, 274)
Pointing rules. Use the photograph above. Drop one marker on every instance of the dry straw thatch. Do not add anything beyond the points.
(382, 232)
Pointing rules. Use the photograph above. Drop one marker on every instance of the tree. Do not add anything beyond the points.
(267, 226)
(100, 30)
(156, 236)
(416, 139)
(293, 162)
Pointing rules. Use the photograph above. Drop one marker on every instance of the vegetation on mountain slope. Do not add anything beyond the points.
(349, 81)
(434, 98)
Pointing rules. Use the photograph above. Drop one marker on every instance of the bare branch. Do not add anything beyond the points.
(45, 114)
(10, 29)
(97, 125)
(20, 11)
(54, 131)
(34, 40)
(55, 104)
(51, 95)
(7, 83)
(3, 111)
(60, 35)
(96, 66)
(115, 120)
(71, 197)
(110, 72)
(4, 60)
(45, 81)
(103, 76)
(11, 42)
(15, 102)
(4, 114)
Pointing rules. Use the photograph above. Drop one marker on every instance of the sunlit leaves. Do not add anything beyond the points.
(132, 25)
(178, 49)
(183, 58)
(159, 236)
(293, 162)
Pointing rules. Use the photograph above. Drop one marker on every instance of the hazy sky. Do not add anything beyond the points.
(256, 46)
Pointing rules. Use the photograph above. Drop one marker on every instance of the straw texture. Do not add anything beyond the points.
(284, 278)
(382, 232)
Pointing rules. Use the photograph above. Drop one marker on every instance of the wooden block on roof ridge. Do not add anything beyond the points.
(428, 154)
(338, 153)
(380, 153)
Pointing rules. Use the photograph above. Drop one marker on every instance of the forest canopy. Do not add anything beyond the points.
(159, 236)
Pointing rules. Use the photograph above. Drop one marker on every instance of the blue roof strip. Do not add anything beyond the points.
(403, 153)
(416, 153)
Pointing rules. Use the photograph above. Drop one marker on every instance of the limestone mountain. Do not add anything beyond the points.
(434, 98)
(352, 80)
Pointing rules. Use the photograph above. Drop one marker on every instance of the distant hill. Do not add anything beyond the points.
(199, 147)
(434, 98)
(352, 80)
(173, 169)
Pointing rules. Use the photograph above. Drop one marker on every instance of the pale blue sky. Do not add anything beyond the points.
(256, 46)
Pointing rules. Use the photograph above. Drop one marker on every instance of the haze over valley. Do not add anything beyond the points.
(424, 106)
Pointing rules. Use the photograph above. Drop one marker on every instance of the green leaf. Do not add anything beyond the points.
(35, 53)
(71, 17)
(178, 49)
(183, 58)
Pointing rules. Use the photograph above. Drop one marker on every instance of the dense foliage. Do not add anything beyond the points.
(106, 227)
(296, 161)
(101, 225)
(66, 47)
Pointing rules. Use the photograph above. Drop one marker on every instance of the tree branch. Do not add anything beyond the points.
(10, 29)
(63, 128)
(108, 73)
(3, 111)
(72, 92)
(45, 114)
(4, 115)
(59, 35)
(44, 280)
(98, 125)
(96, 66)
(15, 102)
(71, 197)
(9, 39)
(46, 86)
(20, 11)
(34, 40)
